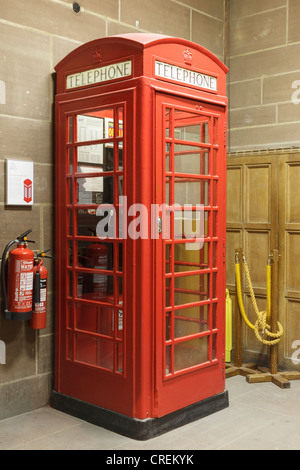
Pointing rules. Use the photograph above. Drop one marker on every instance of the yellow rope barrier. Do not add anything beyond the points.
(261, 326)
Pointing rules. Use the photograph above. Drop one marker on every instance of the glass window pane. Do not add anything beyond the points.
(96, 287)
(189, 224)
(70, 253)
(190, 257)
(70, 345)
(191, 127)
(120, 146)
(189, 289)
(168, 112)
(215, 131)
(88, 220)
(70, 222)
(70, 283)
(95, 158)
(189, 191)
(95, 190)
(94, 351)
(120, 123)
(167, 152)
(70, 129)
(70, 159)
(95, 125)
(191, 160)
(94, 254)
(87, 317)
(190, 353)
(190, 321)
(120, 357)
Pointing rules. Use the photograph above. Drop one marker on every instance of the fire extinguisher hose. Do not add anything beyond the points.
(3, 271)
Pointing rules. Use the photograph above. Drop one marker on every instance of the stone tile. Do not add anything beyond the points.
(30, 426)
(277, 136)
(80, 436)
(207, 32)
(19, 340)
(62, 47)
(288, 112)
(255, 116)
(113, 28)
(294, 14)
(253, 442)
(265, 63)
(165, 17)
(33, 142)
(56, 18)
(15, 220)
(45, 353)
(280, 87)
(43, 184)
(212, 7)
(48, 232)
(240, 8)
(109, 9)
(245, 94)
(283, 431)
(258, 32)
(25, 71)
(22, 396)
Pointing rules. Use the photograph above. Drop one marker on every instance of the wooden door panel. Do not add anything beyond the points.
(257, 247)
(257, 203)
(289, 248)
(234, 194)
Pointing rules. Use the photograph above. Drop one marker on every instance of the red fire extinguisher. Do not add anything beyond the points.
(39, 302)
(18, 296)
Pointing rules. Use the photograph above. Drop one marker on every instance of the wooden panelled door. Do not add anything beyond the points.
(263, 214)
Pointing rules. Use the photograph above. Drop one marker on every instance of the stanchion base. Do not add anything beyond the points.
(244, 370)
(259, 374)
(281, 379)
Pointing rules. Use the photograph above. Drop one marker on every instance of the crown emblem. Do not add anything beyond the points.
(97, 57)
(187, 57)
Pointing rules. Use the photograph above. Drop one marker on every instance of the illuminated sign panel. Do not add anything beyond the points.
(99, 75)
(185, 76)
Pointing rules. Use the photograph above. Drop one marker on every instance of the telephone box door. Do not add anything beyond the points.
(92, 277)
(190, 252)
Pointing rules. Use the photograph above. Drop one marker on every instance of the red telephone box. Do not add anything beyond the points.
(140, 247)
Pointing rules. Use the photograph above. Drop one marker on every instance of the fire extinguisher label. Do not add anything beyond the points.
(24, 283)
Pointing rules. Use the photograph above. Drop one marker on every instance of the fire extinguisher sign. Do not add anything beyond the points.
(19, 182)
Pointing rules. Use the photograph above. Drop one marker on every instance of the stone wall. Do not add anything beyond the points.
(264, 83)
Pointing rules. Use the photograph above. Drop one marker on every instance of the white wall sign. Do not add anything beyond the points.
(99, 75)
(19, 183)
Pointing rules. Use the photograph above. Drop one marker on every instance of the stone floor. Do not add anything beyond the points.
(259, 417)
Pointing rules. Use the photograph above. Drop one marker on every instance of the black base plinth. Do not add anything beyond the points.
(139, 429)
